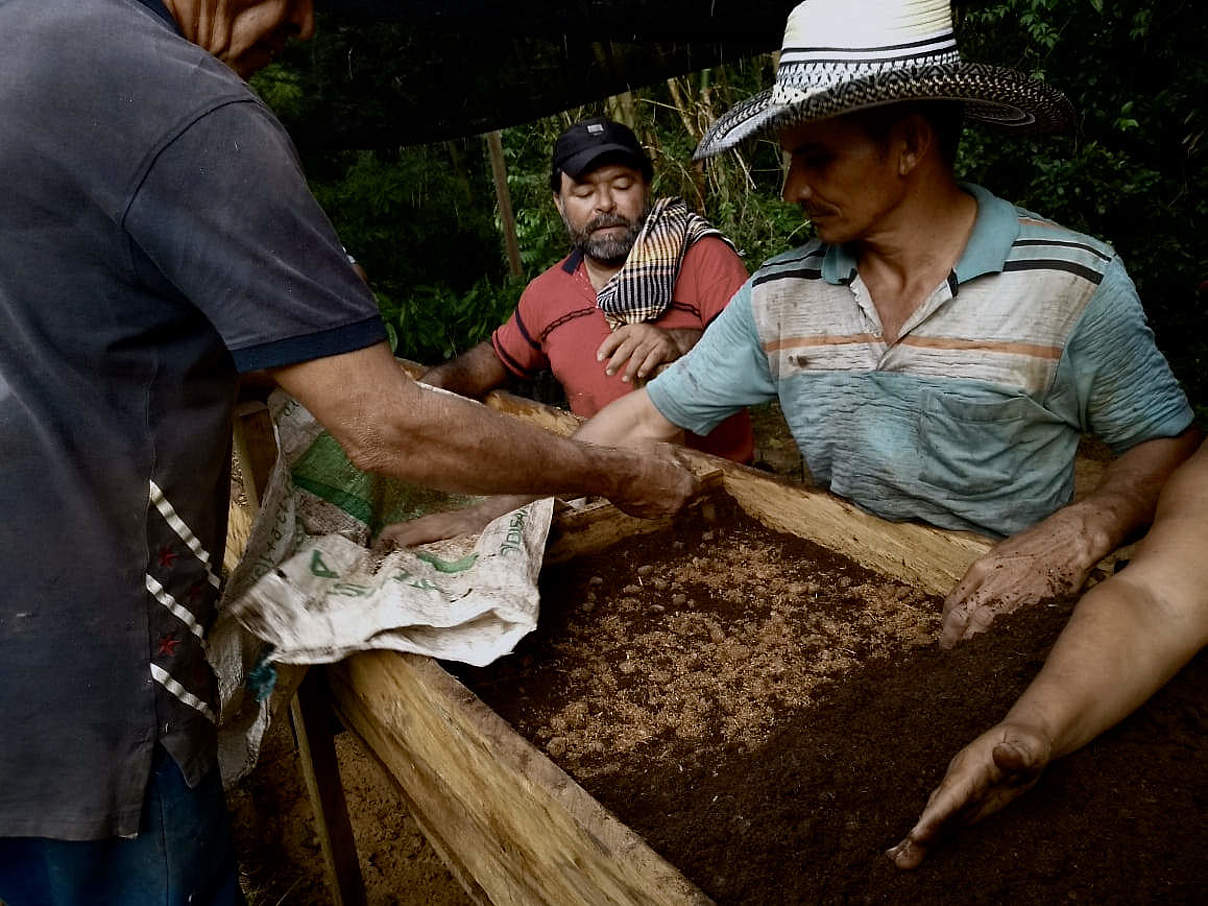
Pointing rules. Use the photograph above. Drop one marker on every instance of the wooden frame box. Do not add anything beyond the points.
(512, 826)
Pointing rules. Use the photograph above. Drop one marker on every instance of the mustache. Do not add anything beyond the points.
(603, 221)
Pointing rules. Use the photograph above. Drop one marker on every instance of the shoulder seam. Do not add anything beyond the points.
(171, 136)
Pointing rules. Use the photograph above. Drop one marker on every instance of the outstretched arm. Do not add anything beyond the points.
(631, 421)
(1126, 638)
(473, 373)
(389, 424)
(1054, 557)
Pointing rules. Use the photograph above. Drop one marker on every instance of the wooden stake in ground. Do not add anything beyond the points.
(500, 171)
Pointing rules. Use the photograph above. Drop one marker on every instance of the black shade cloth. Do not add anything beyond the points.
(385, 73)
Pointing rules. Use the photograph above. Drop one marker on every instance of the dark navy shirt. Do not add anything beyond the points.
(156, 237)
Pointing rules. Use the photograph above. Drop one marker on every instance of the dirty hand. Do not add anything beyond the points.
(660, 486)
(645, 347)
(438, 526)
(1050, 559)
(984, 776)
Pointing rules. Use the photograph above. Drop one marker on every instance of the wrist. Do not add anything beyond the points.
(1033, 719)
(1092, 531)
(610, 471)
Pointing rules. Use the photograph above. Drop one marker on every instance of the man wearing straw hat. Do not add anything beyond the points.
(937, 352)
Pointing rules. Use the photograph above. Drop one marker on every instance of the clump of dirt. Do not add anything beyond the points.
(771, 718)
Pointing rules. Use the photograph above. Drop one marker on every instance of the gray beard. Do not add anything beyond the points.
(610, 251)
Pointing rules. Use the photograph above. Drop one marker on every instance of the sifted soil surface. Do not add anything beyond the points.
(771, 718)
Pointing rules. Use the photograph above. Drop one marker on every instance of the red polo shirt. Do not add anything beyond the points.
(558, 326)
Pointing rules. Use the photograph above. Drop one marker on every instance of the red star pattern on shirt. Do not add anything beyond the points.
(195, 593)
(167, 557)
(167, 645)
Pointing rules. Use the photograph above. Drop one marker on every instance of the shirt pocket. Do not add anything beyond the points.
(983, 447)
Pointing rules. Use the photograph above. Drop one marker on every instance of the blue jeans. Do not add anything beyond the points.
(182, 855)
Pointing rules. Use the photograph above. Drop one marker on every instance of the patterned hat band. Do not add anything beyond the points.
(806, 71)
(840, 56)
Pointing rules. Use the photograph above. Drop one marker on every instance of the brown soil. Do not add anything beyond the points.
(780, 721)
(279, 856)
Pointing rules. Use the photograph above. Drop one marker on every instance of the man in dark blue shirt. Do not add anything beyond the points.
(157, 238)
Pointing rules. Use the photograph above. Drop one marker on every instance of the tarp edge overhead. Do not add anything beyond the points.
(753, 21)
(393, 83)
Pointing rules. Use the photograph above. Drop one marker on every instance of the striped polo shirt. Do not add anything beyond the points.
(970, 420)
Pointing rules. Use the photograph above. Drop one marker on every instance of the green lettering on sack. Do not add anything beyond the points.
(320, 569)
(351, 590)
(448, 566)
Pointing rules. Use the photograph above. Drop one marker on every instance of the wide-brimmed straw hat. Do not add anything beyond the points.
(845, 55)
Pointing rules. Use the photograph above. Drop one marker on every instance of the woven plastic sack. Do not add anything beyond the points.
(311, 589)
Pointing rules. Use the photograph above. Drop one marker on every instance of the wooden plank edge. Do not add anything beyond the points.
(611, 863)
(321, 771)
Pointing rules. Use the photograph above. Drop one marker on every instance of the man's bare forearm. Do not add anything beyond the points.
(1125, 497)
(619, 424)
(1130, 634)
(389, 424)
(457, 445)
(475, 372)
(632, 419)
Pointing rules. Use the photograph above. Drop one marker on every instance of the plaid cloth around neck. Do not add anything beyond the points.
(642, 289)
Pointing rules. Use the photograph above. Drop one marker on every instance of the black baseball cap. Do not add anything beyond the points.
(582, 147)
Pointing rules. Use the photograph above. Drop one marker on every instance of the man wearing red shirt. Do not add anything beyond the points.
(639, 288)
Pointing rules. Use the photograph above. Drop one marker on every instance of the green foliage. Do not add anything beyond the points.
(411, 216)
(432, 322)
(1133, 172)
(423, 219)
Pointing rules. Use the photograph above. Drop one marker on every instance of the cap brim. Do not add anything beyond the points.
(584, 161)
(991, 94)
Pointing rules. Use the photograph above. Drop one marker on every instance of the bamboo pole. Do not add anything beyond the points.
(681, 107)
(500, 171)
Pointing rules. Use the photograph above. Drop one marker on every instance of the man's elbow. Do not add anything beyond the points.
(372, 447)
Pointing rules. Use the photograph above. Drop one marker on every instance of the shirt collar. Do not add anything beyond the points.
(839, 264)
(157, 7)
(572, 262)
(994, 231)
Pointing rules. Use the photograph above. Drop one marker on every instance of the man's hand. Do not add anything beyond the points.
(645, 347)
(984, 776)
(665, 483)
(437, 526)
(663, 486)
(1051, 559)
